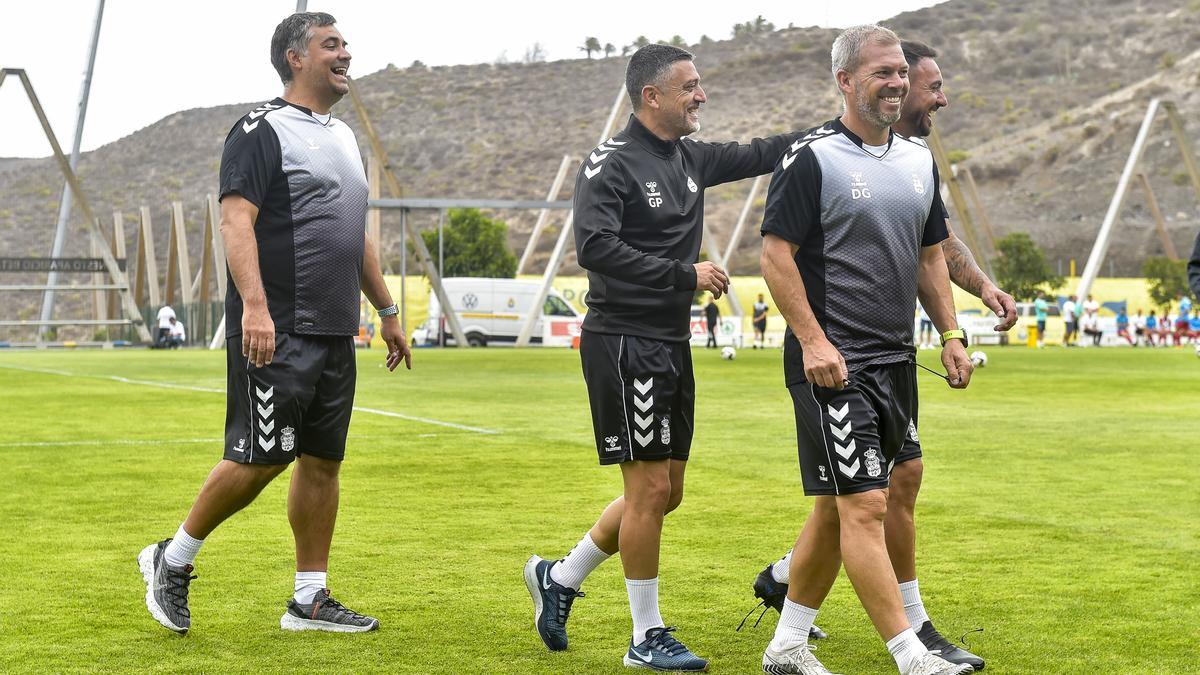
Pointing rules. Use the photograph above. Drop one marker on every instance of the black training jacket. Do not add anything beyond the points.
(639, 218)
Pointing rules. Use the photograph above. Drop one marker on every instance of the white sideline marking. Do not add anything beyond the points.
(210, 390)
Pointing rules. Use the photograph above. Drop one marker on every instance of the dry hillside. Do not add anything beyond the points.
(1045, 96)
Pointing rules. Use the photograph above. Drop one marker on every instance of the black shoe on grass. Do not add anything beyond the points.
(949, 651)
(772, 593)
(325, 613)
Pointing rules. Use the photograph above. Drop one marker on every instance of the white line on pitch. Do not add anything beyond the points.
(210, 390)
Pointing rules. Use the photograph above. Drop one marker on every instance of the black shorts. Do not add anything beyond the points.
(760, 326)
(299, 404)
(912, 443)
(848, 439)
(642, 395)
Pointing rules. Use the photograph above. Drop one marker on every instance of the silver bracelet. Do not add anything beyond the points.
(390, 310)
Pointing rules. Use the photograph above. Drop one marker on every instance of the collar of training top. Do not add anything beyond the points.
(838, 126)
(646, 138)
(281, 102)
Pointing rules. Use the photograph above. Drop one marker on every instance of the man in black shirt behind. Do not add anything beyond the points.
(293, 217)
(712, 315)
(639, 205)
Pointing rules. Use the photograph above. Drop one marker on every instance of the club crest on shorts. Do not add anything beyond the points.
(665, 430)
(873, 467)
(611, 444)
(912, 432)
(287, 439)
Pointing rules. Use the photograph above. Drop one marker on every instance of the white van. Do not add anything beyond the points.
(492, 312)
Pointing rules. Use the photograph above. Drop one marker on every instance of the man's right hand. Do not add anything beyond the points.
(258, 334)
(710, 277)
(824, 365)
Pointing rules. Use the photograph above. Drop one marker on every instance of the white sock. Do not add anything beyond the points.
(794, 623)
(308, 584)
(579, 563)
(182, 549)
(643, 604)
(779, 571)
(906, 648)
(913, 607)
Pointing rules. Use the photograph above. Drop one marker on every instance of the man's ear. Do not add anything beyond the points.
(650, 97)
(293, 59)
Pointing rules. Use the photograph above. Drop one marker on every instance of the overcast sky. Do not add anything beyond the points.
(157, 57)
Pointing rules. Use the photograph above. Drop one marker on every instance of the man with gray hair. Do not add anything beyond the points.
(293, 217)
(851, 238)
(925, 97)
(639, 209)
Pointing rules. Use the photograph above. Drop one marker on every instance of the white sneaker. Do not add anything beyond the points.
(798, 660)
(932, 664)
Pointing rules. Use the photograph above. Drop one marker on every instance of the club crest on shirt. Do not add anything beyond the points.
(692, 184)
(287, 439)
(653, 196)
(918, 186)
(874, 469)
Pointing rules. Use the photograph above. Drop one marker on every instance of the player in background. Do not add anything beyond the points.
(639, 209)
(760, 322)
(849, 200)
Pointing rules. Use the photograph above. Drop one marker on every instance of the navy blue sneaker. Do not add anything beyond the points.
(551, 603)
(660, 651)
(771, 593)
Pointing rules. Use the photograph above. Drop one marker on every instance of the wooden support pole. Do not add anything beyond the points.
(1160, 225)
(544, 214)
(213, 214)
(973, 191)
(81, 201)
(946, 172)
(118, 251)
(435, 279)
(1185, 145)
(179, 269)
(99, 301)
(146, 283)
(374, 216)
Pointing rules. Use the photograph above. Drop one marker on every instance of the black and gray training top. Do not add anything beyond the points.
(639, 218)
(305, 174)
(859, 220)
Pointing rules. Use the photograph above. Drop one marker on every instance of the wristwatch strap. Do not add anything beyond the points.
(956, 334)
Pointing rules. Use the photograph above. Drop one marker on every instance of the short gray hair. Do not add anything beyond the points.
(294, 33)
(847, 48)
(649, 65)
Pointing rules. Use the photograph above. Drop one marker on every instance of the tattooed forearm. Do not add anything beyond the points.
(964, 271)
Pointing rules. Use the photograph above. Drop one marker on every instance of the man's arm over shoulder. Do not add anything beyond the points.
(725, 162)
(599, 208)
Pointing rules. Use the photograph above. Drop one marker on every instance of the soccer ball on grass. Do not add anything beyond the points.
(979, 359)
(728, 353)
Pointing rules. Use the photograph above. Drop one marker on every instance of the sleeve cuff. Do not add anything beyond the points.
(685, 277)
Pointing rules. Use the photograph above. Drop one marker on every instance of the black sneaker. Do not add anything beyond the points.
(551, 603)
(772, 594)
(325, 613)
(166, 588)
(949, 651)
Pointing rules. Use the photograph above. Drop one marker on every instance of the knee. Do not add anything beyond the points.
(319, 469)
(905, 484)
(867, 509)
(675, 499)
(653, 496)
(825, 512)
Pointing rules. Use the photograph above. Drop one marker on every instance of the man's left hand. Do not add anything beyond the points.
(397, 344)
(1002, 304)
(958, 366)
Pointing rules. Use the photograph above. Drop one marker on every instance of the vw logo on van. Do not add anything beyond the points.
(470, 301)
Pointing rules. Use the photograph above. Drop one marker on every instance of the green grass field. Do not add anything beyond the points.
(1060, 514)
